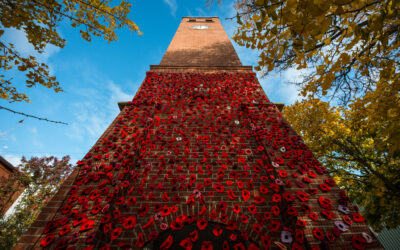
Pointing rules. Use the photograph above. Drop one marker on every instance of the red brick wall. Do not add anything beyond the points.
(180, 130)
(200, 47)
(5, 171)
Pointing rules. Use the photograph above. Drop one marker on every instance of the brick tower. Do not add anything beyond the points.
(200, 159)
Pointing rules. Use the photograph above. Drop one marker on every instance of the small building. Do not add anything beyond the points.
(6, 201)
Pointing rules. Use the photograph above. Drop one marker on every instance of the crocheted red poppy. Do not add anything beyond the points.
(213, 214)
(116, 233)
(306, 179)
(240, 184)
(257, 228)
(324, 187)
(231, 225)
(282, 173)
(236, 208)
(66, 208)
(225, 245)
(279, 160)
(167, 243)
(194, 236)
(231, 195)
(245, 194)
(47, 240)
(330, 236)
(263, 189)
(312, 174)
(151, 236)
(149, 223)
(87, 226)
(276, 197)
(65, 229)
(207, 182)
(107, 227)
(312, 191)
(266, 241)
(292, 211)
(244, 219)
(328, 214)
(218, 187)
(357, 217)
(358, 242)
(50, 226)
(318, 233)
(325, 202)
(105, 219)
(217, 230)
(62, 244)
(267, 215)
(252, 209)
(206, 245)
(303, 196)
(176, 225)
(176, 199)
(259, 199)
(202, 224)
(143, 210)
(274, 226)
(347, 220)
(313, 216)
(186, 243)
(299, 236)
(297, 246)
(275, 210)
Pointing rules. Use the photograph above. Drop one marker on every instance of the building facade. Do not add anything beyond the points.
(200, 159)
(11, 193)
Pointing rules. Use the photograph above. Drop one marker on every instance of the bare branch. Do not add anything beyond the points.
(32, 116)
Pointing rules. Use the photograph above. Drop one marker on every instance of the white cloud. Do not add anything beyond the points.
(94, 116)
(13, 159)
(172, 5)
(19, 40)
(117, 95)
(5, 146)
(280, 87)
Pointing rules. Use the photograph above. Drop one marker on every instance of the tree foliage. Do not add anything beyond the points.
(350, 49)
(40, 20)
(40, 179)
(346, 142)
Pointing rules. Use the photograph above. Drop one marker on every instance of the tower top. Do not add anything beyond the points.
(200, 41)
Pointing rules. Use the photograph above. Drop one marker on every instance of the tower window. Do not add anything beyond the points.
(192, 20)
(209, 20)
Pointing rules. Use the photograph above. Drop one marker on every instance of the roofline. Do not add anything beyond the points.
(7, 164)
(200, 17)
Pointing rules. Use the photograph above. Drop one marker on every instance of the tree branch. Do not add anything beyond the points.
(367, 167)
(32, 116)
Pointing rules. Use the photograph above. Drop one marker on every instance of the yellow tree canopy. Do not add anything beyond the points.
(350, 146)
(40, 19)
(350, 48)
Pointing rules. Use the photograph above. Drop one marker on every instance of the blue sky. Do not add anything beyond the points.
(96, 75)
